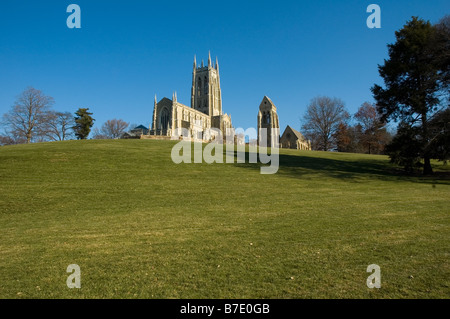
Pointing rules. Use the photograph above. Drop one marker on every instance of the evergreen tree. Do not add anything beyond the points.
(414, 78)
(83, 123)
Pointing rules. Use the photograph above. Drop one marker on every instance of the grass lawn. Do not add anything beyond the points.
(140, 226)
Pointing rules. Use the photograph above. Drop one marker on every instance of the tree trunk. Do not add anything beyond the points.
(427, 169)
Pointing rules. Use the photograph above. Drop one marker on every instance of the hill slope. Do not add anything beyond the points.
(140, 226)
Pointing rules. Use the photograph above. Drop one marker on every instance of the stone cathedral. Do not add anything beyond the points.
(205, 112)
(206, 106)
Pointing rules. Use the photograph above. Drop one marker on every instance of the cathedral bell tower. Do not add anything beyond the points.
(206, 95)
(268, 120)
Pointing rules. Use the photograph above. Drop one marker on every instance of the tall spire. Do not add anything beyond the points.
(195, 61)
(217, 64)
(203, 64)
(156, 100)
(209, 58)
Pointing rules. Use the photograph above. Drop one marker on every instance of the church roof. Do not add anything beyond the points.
(266, 100)
(296, 133)
(140, 127)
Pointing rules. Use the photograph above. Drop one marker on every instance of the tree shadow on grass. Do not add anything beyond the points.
(359, 170)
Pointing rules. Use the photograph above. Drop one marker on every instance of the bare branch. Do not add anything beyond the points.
(27, 116)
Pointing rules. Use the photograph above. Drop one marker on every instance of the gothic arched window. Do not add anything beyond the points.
(165, 119)
(199, 88)
(206, 86)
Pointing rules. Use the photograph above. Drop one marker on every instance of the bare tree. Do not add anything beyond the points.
(9, 138)
(374, 136)
(321, 121)
(58, 125)
(111, 129)
(98, 135)
(27, 117)
(6, 140)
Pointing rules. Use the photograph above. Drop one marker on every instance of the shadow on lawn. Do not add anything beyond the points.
(308, 167)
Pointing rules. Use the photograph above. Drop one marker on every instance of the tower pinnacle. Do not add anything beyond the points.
(206, 95)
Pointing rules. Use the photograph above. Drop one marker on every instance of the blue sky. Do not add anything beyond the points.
(128, 51)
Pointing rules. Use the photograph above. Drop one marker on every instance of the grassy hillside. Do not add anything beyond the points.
(140, 226)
